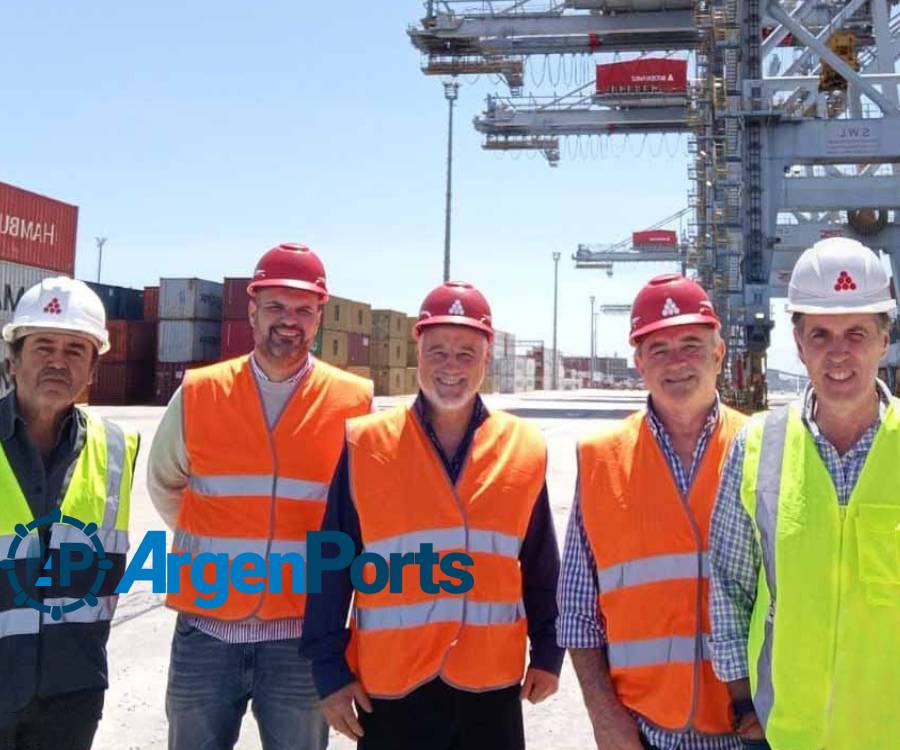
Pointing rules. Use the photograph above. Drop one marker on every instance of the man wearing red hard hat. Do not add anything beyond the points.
(634, 586)
(241, 463)
(429, 665)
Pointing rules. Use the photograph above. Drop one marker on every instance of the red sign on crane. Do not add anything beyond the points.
(647, 75)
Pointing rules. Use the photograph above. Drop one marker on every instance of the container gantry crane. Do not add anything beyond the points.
(794, 120)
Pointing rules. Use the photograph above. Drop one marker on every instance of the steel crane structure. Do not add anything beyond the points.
(793, 115)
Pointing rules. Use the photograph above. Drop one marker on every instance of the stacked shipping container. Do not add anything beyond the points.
(346, 335)
(388, 352)
(237, 335)
(37, 240)
(503, 362)
(190, 330)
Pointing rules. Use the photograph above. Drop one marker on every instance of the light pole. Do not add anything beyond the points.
(451, 91)
(555, 377)
(101, 241)
(593, 338)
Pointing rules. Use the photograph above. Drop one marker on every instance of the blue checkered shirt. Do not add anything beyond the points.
(734, 553)
(580, 624)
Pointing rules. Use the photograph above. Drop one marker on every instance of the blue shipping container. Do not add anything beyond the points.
(120, 303)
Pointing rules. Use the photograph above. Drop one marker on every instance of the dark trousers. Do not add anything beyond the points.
(439, 717)
(61, 722)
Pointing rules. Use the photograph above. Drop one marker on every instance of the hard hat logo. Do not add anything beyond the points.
(670, 308)
(53, 307)
(456, 308)
(844, 283)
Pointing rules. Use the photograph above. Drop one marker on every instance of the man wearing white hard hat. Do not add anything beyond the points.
(65, 479)
(805, 539)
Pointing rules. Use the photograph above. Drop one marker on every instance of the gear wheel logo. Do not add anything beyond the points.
(101, 562)
(456, 308)
(53, 307)
(670, 308)
(844, 283)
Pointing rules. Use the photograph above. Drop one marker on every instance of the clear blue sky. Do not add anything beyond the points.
(196, 135)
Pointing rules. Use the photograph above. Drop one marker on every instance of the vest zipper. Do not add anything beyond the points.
(698, 541)
(271, 437)
(465, 520)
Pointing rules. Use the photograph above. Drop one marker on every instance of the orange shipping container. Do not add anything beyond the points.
(131, 341)
(151, 303)
(122, 383)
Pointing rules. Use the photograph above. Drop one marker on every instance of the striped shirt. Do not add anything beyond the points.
(734, 550)
(275, 397)
(580, 624)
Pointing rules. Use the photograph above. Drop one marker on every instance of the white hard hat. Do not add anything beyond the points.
(60, 304)
(839, 275)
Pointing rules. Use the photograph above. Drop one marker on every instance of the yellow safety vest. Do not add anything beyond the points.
(824, 646)
(98, 494)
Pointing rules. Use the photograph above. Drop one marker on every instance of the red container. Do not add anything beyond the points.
(357, 350)
(237, 338)
(151, 303)
(648, 75)
(655, 238)
(168, 377)
(131, 341)
(36, 230)
(236, 298)
(122, 383)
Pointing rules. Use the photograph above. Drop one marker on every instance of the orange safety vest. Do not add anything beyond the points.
(650, 546)
(474, 641)
(252, 490)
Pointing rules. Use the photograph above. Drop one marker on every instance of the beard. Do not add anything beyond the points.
(284, 349)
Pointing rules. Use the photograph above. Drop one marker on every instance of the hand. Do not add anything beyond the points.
(338, 710)
(619, 731)
(538, 685)
(749, 728)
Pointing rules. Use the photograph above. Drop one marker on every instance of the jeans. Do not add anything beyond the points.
(66, 721)
(211, 682)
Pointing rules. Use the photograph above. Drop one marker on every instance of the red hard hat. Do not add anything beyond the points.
(670, 300)
(456, 303)
(293, 266)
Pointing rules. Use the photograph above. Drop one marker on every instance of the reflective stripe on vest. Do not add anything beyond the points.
(476, 640)
(254, 489)
(442, 540)
(262, 485)
(652, 570)
(98, 494)
(439, 610)
(822, 647)
(650, 546)
(768, 485)
(232, 547)
(628, 654)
